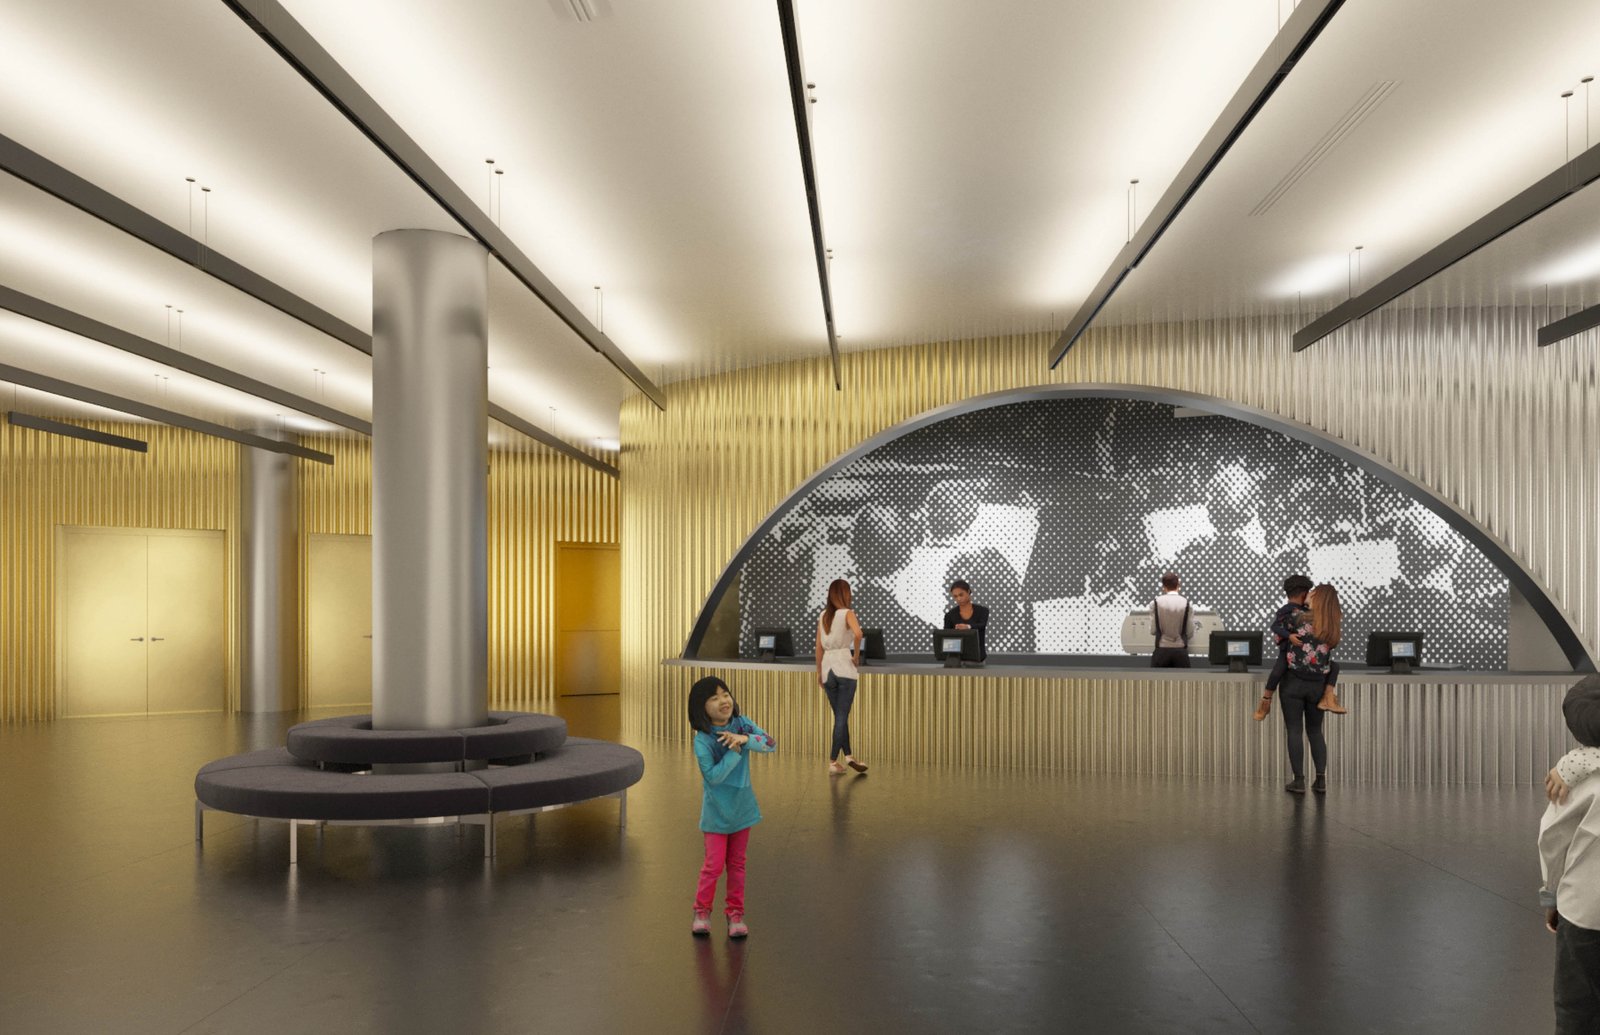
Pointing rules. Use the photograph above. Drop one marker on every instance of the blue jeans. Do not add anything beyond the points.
(841, 695)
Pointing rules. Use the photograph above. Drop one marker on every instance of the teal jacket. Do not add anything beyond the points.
(729, 804)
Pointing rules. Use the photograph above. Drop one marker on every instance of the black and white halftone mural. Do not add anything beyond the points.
(1063, 513)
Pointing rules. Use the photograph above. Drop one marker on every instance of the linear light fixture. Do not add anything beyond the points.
(1572, 177)
(59, 182)
(56, 427)
(790, 28)
(55, 386)
(294, 44)
(1296, 36)
(35, 169)
(560, 445)
(77, 323)
(1569, 326)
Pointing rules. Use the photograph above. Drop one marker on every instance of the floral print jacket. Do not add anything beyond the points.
(1310, 657)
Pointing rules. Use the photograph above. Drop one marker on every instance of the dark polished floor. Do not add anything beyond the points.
(911, 900)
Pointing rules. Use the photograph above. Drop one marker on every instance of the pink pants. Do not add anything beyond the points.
(723, 850)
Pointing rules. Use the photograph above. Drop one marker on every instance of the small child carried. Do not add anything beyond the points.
(728, 808)
(1291, 628)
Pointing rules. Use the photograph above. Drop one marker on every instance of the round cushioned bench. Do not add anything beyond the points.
(276, 784)
(510, 737)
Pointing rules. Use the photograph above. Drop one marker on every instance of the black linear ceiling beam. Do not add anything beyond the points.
(1565, 181)
(511, 420)
(1568, 326)
(56, 427)
(77, 323)
(35, 169)
(66, 389)
(1296, 36)
(294, 44)
(790, 28)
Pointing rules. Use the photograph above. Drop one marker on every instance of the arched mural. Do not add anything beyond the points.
(1063, 506)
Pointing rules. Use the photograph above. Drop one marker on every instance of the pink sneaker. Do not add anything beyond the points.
(702, 922)
(736, 926)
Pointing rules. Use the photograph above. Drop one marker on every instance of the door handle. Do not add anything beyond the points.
(136, 639)
(157, 639)
(368, 636)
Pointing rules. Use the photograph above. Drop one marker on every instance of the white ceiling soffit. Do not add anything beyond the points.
(158, 92)
(973, 159)
(649, 150)
(1472, 117)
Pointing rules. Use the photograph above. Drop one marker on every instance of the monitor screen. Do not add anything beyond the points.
(1403, 649)
(768, 643)
(1238, 648)
(952, 645)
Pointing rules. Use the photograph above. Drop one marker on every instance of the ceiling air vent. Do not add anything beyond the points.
(1344, 127)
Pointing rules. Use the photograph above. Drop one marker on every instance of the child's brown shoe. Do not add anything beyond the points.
(1330, 703)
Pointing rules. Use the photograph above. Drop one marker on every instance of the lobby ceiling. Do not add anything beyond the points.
(973, 165)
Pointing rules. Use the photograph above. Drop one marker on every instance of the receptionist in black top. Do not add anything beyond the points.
(966, 614)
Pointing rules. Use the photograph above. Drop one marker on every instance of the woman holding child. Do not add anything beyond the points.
(1309, 659)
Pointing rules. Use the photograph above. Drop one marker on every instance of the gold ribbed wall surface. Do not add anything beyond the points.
(536, 500)
(186, 480)
(1459, 399)
(1407, 733)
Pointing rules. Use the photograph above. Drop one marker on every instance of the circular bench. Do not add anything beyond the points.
(275, 784)
(350, 740)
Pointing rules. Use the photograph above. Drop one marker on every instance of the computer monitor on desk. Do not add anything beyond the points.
(1400, 651)
(872, 648)
(1237, 650)
(774, 643)
(956, 647)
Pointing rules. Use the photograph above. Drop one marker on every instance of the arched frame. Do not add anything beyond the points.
(1520, 579)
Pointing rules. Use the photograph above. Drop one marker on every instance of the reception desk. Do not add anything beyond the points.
(1118, 715)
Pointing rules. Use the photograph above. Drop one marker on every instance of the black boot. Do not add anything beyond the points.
(1320, 784)
(1296, 786)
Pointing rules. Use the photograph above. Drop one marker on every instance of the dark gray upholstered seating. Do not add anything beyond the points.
(351, 740)
(577, 771)
(310, 780)
(279, 786)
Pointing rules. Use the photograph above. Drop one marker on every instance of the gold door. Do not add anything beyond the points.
(588, 606)
(103, 633)
(339, 621)
(187, 618)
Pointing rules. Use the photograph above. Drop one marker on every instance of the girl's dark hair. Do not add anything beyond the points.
(839, 598)
(703, 691)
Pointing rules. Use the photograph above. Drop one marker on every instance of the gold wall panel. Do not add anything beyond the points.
(186, 480)
(1460, 399)
(536, 500)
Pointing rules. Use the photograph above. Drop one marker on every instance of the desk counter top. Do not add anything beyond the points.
(1129, 669)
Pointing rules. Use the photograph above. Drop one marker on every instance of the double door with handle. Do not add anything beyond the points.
(142, 621)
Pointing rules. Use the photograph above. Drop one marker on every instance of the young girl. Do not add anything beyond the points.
(728, 810)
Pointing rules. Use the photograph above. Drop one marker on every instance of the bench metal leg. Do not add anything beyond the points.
(488, 836)
(294, 842)
(199, 822)
(622, 811)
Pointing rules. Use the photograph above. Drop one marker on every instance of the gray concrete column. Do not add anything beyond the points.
(430, 455)
(269, 582)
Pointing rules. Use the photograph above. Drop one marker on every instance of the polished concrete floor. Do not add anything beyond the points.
(904, 901)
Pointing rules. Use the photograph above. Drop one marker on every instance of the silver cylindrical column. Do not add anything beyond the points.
(430, 454)
(269, 582)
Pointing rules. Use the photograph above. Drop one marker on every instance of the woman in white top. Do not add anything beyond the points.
(838, 652)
